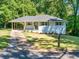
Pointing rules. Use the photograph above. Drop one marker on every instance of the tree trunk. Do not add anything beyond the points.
(59, 36)
(75, 29)
(75, 9)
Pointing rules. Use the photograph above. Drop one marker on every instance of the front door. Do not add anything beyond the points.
(36, 25)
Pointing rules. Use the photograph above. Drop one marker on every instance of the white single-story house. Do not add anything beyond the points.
(42, 24)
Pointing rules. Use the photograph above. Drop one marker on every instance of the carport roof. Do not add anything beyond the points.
(37, 18)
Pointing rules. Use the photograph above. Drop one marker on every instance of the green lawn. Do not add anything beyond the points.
(4, 35)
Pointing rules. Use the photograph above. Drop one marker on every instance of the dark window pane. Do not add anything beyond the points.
(44, 23)
(58, 23)
(29, 23)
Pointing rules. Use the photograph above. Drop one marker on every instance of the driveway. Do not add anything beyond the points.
(12, 53)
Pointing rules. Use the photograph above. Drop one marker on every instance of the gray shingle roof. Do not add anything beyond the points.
(37, 18)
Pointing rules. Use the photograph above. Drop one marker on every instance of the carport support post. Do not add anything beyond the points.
(33, 25)
(12, 25)
(24, 26)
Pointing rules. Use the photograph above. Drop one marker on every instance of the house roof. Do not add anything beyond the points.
(37, 18)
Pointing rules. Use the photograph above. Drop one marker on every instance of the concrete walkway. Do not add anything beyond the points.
(17, 34)
(71, 55)
(11, 52)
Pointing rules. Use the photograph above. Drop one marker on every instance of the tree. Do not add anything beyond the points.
(26, 7)
(6, 15)
(11, 9)
(75, 5)
(59, 36)
(58, 8)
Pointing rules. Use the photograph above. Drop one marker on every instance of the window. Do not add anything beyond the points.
(58, 23)
(44, 23)
(36, 25)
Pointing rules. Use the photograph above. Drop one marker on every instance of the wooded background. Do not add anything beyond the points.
(65, 9)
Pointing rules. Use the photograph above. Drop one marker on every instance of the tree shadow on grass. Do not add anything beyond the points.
(67, 41)
(70, 40)
(4, 41)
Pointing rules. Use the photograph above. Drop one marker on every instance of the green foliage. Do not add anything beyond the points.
(75, 6)
(3, 42)
(11, 9)
(51, 7)
(4, 38)
(57, 8)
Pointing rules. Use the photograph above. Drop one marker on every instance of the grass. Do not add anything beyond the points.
(42, 40)
(70, 42)
(4, 35)
(50, 41)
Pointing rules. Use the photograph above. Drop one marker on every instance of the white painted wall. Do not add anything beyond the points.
(52, 29)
